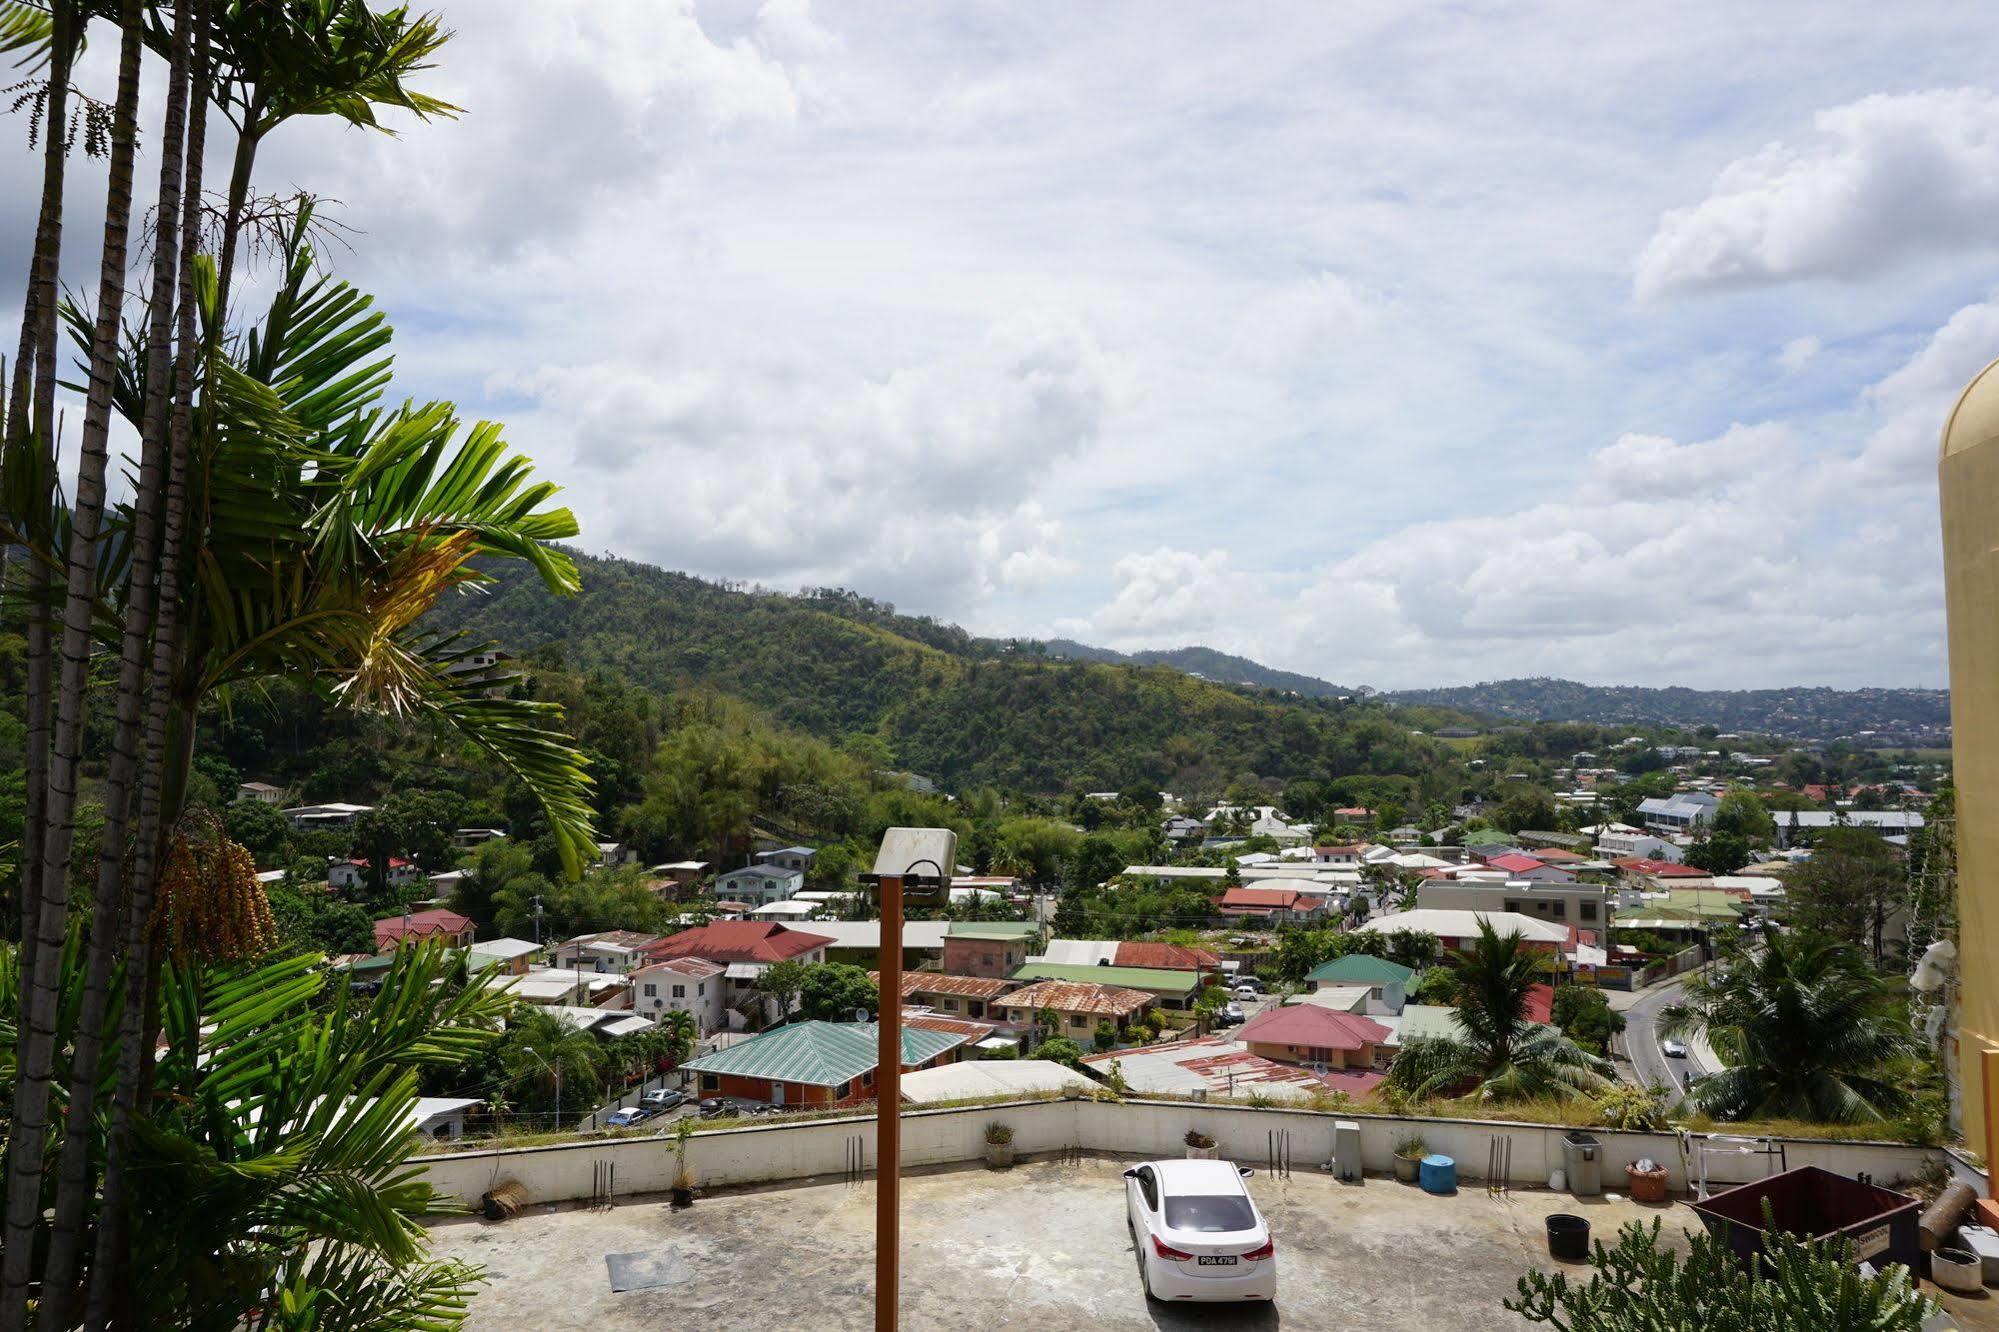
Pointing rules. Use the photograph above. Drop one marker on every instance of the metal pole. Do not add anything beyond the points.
(888, 1110)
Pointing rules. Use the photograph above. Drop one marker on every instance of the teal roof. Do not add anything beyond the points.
(819, 1054)
(1490, 837)
(1159, 980)
(1361, 969)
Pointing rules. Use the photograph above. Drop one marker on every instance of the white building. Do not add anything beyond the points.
(687, 985)
(759, 884)
(333, 815)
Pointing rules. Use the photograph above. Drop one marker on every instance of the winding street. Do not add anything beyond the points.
(1649, 1063)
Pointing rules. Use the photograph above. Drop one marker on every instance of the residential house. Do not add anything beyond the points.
(345, 875)
(609, 952)
(814, 1063)
(1272, 904)
(261, 793)
(1632, 844)
(1586, 905)
(990, 954)
(568, 988)
(509, 956)
(1210, 1066)
(467, 838)
(1519, 865)
(1022, 1079)
(952, 996)
(787, 857)
(1457, 930)
(1347, 856)
(610, 855)
(858, 943)
(1162, 957)
(1078, 1007)
(1681, 812)
(325, 816)
(690, 985)
(1314, 1034)
(1542, 840)
(759, 884)
(1800, 824)
(683, 873)
(745, 949)
(1183, 831)
(1659, 874)
(1386, 983)
(1173, 989)
(449, 926)
(1488, 839)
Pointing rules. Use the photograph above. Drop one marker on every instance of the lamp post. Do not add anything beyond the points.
(895, 865)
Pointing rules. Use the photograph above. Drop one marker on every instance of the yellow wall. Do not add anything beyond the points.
(1968, 489)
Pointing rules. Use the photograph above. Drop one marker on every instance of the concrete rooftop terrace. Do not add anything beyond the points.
(1040, 1246)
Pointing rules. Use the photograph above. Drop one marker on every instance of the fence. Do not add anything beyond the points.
(825, 1149)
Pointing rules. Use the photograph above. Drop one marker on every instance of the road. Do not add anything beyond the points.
(1649, 1064)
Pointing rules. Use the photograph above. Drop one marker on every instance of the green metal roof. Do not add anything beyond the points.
(1159, 980)
(991, 929)
(819, 1054)
(1703, 902)
(1361, 969)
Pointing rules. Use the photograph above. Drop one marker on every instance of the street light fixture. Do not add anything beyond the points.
(903, 850)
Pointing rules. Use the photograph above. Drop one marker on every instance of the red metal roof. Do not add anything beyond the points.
(1555, 856)
(738, 941)
(936, 982)
(1312, 1025)
(420, 925)
(1170, 957)
(1270, 898)
(1077, 997)
(1515, 863)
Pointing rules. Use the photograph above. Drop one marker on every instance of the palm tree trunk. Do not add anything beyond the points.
(240, 170)
(73, 1186)
(40, 998)
(31, 419)
(135, 1023)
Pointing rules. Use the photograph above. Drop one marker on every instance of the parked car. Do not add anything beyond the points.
(1252, 984)
(663, 1098)
(1232, 1015)
(1198, 1233)
(1673, 1049)
(630, 1118)
(1246, 991)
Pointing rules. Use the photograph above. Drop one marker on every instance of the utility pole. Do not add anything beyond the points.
(537, 920)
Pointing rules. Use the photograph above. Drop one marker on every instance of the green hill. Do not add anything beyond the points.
(958, 708)
(1208, 664)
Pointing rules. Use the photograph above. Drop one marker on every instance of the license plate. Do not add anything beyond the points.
(1215, 1260)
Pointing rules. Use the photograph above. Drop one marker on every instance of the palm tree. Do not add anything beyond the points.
(278, 1136)
(544, 1052)
(1500, 1055)
(681, 1035)
(1813, 1025)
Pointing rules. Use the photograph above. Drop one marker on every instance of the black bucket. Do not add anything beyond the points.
(1568, 1237)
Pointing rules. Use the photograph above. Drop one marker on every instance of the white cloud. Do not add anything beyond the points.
(1798, 353)
(1893, 176)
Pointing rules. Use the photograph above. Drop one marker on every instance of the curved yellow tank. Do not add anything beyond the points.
(1968, 491)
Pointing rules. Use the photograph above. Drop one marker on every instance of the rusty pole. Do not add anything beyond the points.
(888, 1109)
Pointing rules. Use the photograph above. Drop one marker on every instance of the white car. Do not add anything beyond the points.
(1248, 992)
(1198, 1233)
(1673, 1049)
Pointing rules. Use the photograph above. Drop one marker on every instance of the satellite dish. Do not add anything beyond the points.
(860, 1015)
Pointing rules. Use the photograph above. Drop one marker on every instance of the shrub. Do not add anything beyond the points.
(1636, 1108)
(1198, 1140)
(999, 1135)
(1412, 1147)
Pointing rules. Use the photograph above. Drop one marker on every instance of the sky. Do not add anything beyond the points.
(1400, 344)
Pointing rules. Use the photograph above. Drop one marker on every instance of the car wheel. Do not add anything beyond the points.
(1144, 1278)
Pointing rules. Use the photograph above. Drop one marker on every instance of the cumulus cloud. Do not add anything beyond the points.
(1891, 177)
(921, 480)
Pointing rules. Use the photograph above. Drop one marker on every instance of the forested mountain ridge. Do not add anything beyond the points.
(942, 702)
(1207, 663)
(1902, 717)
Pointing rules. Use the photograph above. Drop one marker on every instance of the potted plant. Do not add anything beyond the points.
(1200, 1147)
(1409, 1154)
(999, 1145)
(683, 1178)
(1646, 1186)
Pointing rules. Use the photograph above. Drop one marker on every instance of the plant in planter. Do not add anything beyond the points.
(683, 1178)
(999, 1145)
(1409, 1154)
(1200, 1147)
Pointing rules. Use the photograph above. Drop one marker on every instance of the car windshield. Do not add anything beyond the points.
(1209, 1212)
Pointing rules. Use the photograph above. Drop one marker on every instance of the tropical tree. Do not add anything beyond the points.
(1849, 889)
(781, 982)
(1499, 1054)
(681, 1035)
(277, 1134)
(1814, 1029)
(835, 991)
(549, 1062)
